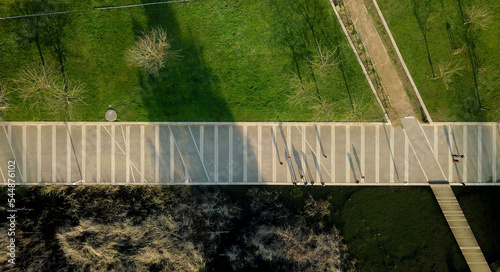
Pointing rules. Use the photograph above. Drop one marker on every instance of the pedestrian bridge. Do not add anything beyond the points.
(246, 153)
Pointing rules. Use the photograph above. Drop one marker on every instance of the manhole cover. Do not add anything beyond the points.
(111, 115)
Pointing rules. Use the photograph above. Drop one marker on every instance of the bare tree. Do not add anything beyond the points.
(128, 246)
(177, 237)
(307, 250)
(3, 96)
(302, 91)
(478, 17)
(4, 100)
(324, 62)
(35, 85)
(447, 70)
(152, 52)
(66, 97)
(323, 109)
(45, 90)
(293, 241)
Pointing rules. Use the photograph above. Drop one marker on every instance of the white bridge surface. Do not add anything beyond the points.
(244, 153)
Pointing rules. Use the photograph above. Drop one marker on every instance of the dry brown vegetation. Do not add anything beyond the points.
(134, 228)
(478, 16)
(447, 70)
(299, 245)
(152, 51)
(45, 90)
(294, 243)
(178, 237)
(158, 241)
(3, 96)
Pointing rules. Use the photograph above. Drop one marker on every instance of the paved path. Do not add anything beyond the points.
(460, 228)
(388, 73)
(423, 150)
(444, 194)
(243, 153)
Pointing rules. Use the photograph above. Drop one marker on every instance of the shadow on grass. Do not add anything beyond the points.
(317, 47)
(481, 207)
(397, 229)
(188, 89)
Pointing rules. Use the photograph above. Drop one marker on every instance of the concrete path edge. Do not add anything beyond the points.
(403, 63)
(372, 87)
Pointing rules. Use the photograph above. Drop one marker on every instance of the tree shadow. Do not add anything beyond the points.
(187, 90)
(311, 34)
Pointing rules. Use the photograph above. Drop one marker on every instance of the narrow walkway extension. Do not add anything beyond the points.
(383, 64)
(460, 228)
(444, 195)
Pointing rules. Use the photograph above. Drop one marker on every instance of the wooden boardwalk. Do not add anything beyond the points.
(460, 228)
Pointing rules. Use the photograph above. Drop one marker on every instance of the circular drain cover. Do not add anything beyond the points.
(111, 115)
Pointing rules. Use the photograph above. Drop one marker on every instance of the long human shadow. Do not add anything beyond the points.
(288, 155)
(392, 154)
(317, 165)
(296, 158)
(292, 170)
(357, 159)
(276, 146)
(446, 133)
(307, 171)
(349, 157)
(454, 141)
(319, 141)
(287, 152)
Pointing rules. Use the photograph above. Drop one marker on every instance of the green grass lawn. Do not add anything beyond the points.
(385, 228)
(396, 229)
(445, 33)
(238, 59)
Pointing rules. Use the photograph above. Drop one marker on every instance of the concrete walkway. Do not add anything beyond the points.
(243, 153)
(423, 150)
(460, 228)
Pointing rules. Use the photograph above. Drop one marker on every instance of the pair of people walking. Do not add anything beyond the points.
(456, 156)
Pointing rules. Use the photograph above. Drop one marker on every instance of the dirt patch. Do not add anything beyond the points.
(390, 76)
